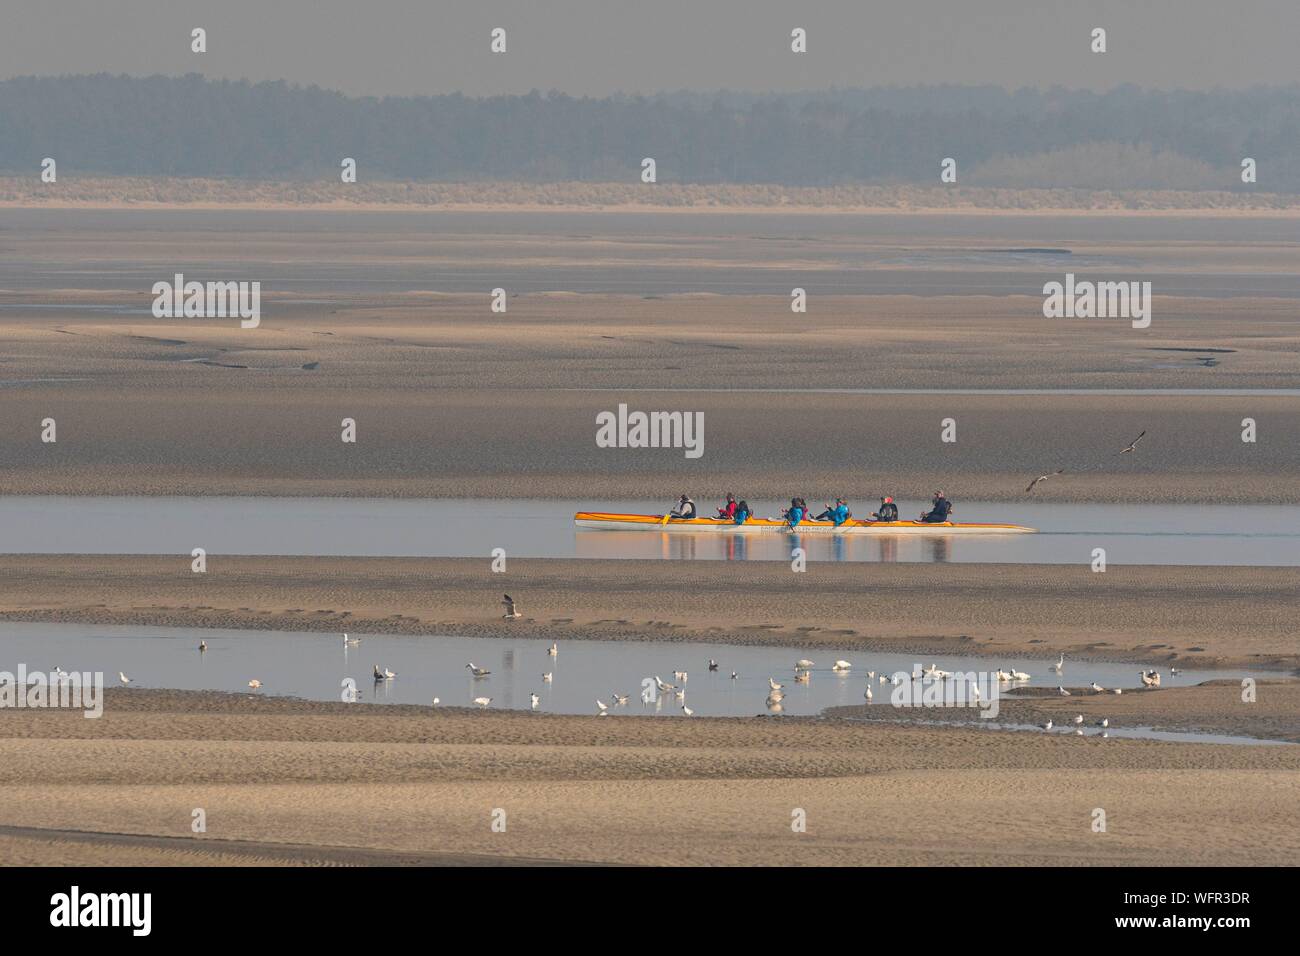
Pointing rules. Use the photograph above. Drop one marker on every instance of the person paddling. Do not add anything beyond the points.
(728, 510)
(796, 512)
(685, 508)
(941, 510)
(838, 512)
(742, 513)
(888, 510)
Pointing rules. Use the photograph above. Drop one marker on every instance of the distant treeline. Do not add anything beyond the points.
(189, 126)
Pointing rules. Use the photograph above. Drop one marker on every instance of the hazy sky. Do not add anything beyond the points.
(601, 46)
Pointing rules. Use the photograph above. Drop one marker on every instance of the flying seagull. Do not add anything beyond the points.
(1134, 444)
(1059, 471)
(511, 614)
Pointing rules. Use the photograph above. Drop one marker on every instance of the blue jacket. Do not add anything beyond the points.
(794, 516)
(840, 514)
(741, 517)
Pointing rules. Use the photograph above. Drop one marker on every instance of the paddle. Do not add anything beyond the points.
(665, 519)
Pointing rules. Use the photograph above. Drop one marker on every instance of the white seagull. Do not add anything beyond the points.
(547, 677)
(482, 701)
(534, 700)
(735, 676)
(1097, 688)
(1019, 675)
(867, 695)
(1059, 665)
(619, 699)
(713, 665)
(511, 614)
(663, 685)
(1047, 726)
(773, 684)
(1062, 691)
(124, 679)
(350, 641)
(841, 666)
(1105, 722)
(687, 711)
(203, 646)
(255, 683)
(478, 671)
(600, 707)
(680, 675)
(802, 664)
(1133, 444)
(554, 649)
(1059, 471)
(1078, 719)
(803, 677)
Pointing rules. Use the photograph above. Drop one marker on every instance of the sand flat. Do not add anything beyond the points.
(1183, 615)
(630, 790)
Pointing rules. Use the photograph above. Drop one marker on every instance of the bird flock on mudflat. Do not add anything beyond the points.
(660, 690)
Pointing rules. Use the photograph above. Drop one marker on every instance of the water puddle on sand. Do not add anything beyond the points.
(314, 666)
(1245, 535)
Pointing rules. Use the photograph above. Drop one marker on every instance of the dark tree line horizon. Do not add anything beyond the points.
(191, 126)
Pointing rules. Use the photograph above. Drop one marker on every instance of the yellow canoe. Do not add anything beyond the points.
(604, 521)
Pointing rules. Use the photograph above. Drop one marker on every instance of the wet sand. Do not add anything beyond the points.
(1184, 616)
(415, 781)
(450, 403)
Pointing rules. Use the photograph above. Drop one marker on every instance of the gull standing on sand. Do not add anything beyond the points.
(1078, 719)
(687, 711)
(482, 701)
(123, 678)
(1047, 726)
(1062, 691)
(511, 614)
(1097, 688)
(255, 683)
(478, 671)
(1105, 722)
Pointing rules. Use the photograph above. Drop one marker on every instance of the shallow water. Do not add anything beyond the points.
(1251, 535)
(314, 665)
